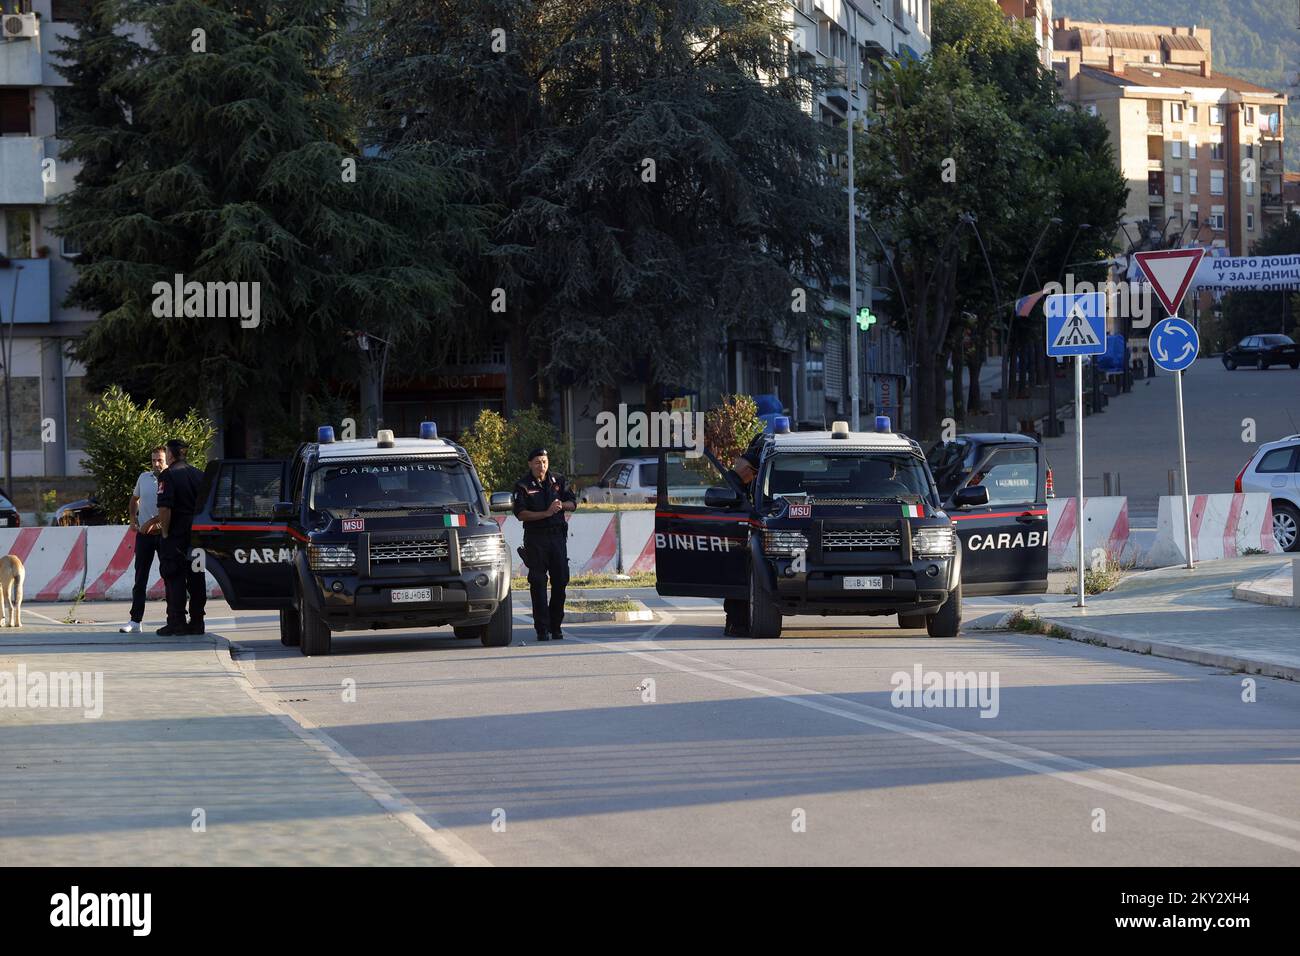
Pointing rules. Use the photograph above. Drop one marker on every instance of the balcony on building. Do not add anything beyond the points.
(21, 182)
(1155, 119)
(837, 91)
(32, 305)
(1270, 124)
(20, 50)
(1271, 202)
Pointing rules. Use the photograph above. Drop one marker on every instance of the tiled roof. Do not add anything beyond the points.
(1180, 41)
(1139, 76)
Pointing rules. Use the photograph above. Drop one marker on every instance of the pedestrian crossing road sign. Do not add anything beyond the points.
(1076, 323)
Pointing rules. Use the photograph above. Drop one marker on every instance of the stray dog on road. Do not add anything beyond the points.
(12, 574)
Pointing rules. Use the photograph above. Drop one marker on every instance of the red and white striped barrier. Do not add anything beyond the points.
(110, 567)
(593, 542)
(1223, 526)
(1105, 526)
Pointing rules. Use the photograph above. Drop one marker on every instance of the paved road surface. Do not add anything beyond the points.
(744, 737)
(1137, 436)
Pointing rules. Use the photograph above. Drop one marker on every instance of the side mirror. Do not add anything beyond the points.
(501, 501)
(971, 497)
(720, 497)
(284, 511)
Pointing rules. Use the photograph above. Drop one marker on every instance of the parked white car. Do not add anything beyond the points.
(1275, 470)
(636, 481)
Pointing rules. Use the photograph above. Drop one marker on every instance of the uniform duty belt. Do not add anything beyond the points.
(530, 532)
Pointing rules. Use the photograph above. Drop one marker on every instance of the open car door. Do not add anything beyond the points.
(247, 550)
(1004, 543)
(701, 550)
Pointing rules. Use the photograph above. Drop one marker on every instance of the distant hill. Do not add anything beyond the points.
(1256, 40)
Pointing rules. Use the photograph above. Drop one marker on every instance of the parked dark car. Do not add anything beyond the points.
(1262, 351)
(82, 512)
(8, 512)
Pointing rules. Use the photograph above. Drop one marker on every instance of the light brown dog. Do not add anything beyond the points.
(12, 574)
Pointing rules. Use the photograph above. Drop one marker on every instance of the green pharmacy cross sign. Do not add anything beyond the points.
(865, 319)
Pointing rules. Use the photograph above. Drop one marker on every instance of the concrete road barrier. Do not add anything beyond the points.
(1223, 526)
(1105, 526)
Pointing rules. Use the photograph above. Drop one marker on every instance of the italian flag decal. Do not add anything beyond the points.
(913, 511)
(453, 521)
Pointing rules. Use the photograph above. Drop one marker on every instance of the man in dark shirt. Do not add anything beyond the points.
(178, 500)
(540, 500)
(743, 471)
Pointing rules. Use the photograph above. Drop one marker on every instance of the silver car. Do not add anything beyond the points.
(636, 481)
(1275, 470)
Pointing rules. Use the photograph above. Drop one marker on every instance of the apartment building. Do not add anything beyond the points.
(47, 393)
(1202, 151)
(1039, 13)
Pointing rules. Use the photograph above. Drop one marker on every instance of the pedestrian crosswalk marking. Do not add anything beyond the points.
(1077, 330)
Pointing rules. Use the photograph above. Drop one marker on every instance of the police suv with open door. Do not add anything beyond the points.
(835, 523)
(358, 535)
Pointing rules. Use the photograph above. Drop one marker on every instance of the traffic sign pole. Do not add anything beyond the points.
(1078, 458)
(1182, 458)
(1076, 325)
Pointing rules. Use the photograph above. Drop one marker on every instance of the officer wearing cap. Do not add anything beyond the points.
(540, 500)
(178, 500)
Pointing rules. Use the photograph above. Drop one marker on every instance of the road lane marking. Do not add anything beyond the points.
(968, 742)
(424, 825)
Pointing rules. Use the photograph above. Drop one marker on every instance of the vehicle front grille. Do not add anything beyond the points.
(860, 539)
(408, 550)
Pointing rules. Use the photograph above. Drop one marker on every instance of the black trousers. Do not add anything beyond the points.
(180, 579)
(547, 554)
(146, 547)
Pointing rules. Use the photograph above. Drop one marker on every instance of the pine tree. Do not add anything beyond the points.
(235, 158)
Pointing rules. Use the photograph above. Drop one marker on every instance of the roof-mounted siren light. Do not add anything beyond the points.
(384, 438)
(780, 425)
(839, 429)
(325, 434)
(428, 430)
(882, 423)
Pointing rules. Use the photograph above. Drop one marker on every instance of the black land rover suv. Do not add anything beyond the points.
(356, 535)
(840, 523)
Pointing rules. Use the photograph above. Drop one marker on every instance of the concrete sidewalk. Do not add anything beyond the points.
(1191, 616)
(179, 733)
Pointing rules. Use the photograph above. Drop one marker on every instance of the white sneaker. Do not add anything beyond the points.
(130, 627)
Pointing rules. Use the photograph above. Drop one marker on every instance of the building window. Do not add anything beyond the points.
(1192, 113)
(18, 234)
(1216, 115)
(69, 248)
(1216, 182)
(15, 112)
(75, 402)
(1193, 186)
(1249, 114)
(1193, 215)
(1250, 187)
(1191, 149)
(1250, 221)
(1178, 183)
(1091, 108)
(1216, 218)
(1176, 149)
(1176, 112)
(1216, 152)
(25, 401)
(74, 11)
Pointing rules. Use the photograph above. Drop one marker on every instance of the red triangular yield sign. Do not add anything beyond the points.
(1170, 272)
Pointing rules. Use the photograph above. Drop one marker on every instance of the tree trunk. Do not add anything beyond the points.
(958, 406)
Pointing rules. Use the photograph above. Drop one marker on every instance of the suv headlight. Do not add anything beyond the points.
(934, 542)
(784, 542)
(482, 550)
(330, 557)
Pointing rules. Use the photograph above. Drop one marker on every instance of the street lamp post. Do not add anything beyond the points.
(1006, 329)
(7, 346)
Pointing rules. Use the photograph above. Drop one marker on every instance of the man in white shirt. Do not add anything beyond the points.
(144, 522)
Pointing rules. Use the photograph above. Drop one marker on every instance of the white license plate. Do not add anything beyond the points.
(405, 595)
(864, 584)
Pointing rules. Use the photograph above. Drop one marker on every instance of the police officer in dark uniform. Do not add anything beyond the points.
(178, 500)
(743, 471)
(540, 500)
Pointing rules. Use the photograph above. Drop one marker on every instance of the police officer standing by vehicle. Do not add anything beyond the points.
(178, 500)
(540, 500)
(743, 471)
